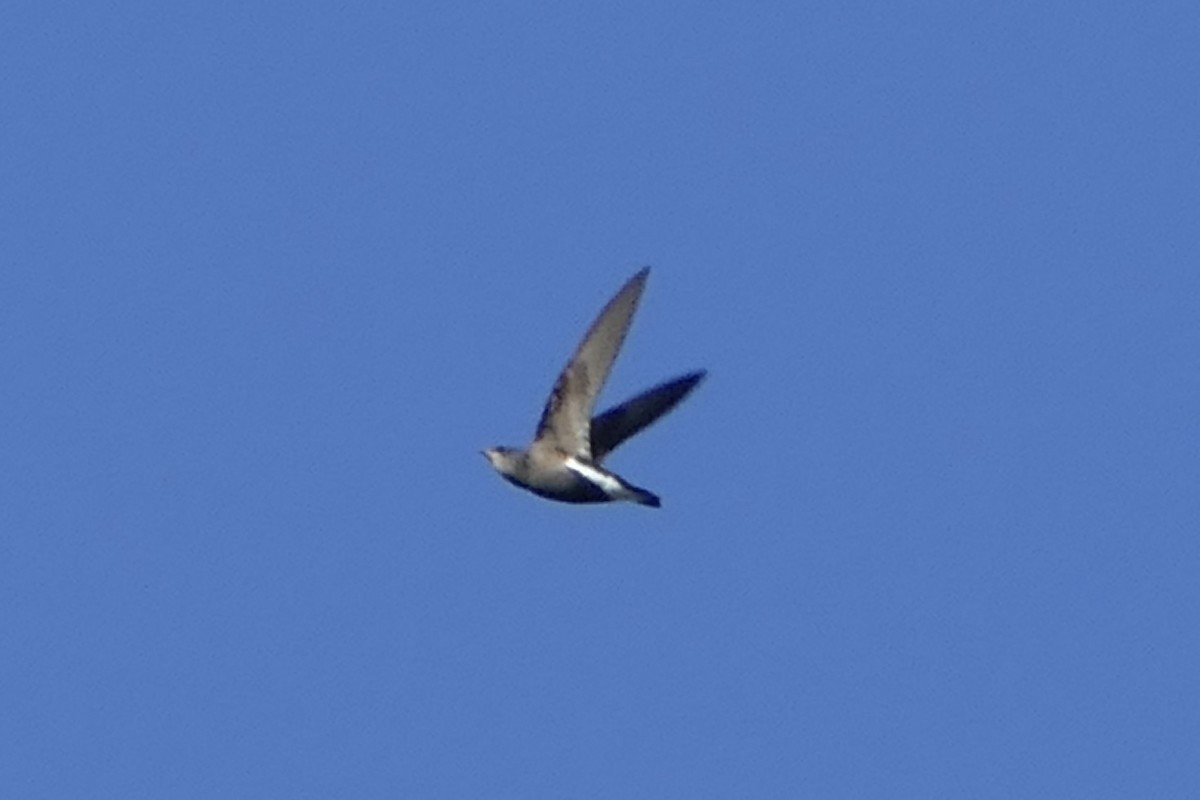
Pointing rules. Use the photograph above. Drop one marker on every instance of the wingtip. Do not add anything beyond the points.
(692, 379)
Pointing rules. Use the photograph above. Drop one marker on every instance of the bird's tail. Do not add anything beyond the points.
(645, 498)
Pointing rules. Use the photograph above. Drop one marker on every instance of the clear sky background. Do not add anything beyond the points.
(272, 275)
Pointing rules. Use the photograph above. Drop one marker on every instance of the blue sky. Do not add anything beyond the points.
(275, 273)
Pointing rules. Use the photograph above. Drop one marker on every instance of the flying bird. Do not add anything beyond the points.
(564, 461)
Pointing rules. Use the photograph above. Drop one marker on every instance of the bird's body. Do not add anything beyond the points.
(564, 461)
(566, 478)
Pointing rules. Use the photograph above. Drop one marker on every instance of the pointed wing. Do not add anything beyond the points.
(617, 424)
(566, 419)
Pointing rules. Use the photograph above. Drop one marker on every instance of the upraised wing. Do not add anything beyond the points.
(621, 422)
(566, 419)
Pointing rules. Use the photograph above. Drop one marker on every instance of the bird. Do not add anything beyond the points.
(564, 461)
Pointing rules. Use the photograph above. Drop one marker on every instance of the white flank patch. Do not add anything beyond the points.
(611, 486)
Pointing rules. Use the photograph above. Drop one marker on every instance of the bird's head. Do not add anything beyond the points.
(502, 459)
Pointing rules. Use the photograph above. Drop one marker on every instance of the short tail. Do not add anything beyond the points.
(645, 498)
